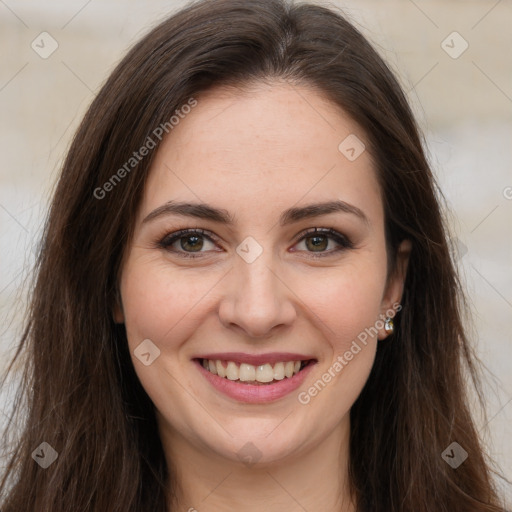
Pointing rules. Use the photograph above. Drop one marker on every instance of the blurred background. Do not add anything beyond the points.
(453, 59)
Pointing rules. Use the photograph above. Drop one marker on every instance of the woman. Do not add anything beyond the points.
(245, 296)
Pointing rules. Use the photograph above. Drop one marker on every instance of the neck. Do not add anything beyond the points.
(312, 480)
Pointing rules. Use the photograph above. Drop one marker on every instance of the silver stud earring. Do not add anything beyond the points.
(388, 325)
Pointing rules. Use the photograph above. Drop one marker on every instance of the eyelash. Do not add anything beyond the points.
(169, 239)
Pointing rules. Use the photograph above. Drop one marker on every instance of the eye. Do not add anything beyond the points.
(186, 242)
(189, 243)
(317, 241)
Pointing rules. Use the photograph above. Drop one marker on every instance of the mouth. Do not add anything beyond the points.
(255, 379)
(255, 375)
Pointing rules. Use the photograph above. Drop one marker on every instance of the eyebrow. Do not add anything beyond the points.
(221, 216)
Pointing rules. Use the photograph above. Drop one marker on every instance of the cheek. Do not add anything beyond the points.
(347, 299)
(161, 304)
(347, 305)
(157, 300)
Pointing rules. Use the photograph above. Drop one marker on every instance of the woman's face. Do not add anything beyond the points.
(255, 289)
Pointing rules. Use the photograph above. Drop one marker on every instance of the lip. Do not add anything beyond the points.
(256, 359)
(250, 393)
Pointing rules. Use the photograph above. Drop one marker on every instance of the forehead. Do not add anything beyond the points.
(261, 150)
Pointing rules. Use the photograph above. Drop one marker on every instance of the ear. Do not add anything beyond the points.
(395, 285)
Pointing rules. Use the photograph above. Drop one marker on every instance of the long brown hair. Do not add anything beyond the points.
(79, 387)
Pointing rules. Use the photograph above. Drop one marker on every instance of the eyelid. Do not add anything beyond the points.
(176, 235)
(333, 233)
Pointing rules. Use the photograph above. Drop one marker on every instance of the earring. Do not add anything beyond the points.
(388, 326)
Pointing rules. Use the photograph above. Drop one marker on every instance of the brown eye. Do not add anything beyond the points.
(187, 242)
(319, 240)
(191, 242)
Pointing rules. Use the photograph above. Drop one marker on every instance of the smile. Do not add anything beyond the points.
(255, 379)
(251, 374)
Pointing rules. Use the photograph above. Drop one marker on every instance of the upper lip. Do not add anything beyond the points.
(256, 359)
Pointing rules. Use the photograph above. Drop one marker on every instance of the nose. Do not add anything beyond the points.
(257, 300)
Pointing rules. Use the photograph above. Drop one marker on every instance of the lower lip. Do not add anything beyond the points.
(256, 394)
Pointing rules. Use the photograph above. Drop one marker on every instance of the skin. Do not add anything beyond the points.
(255, 153)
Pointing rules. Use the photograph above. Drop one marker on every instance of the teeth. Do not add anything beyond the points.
(249, 373)
(265, 373)
(279, 371)
(288, 369)
(212, 366)
(221, 371)
(232, 372)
